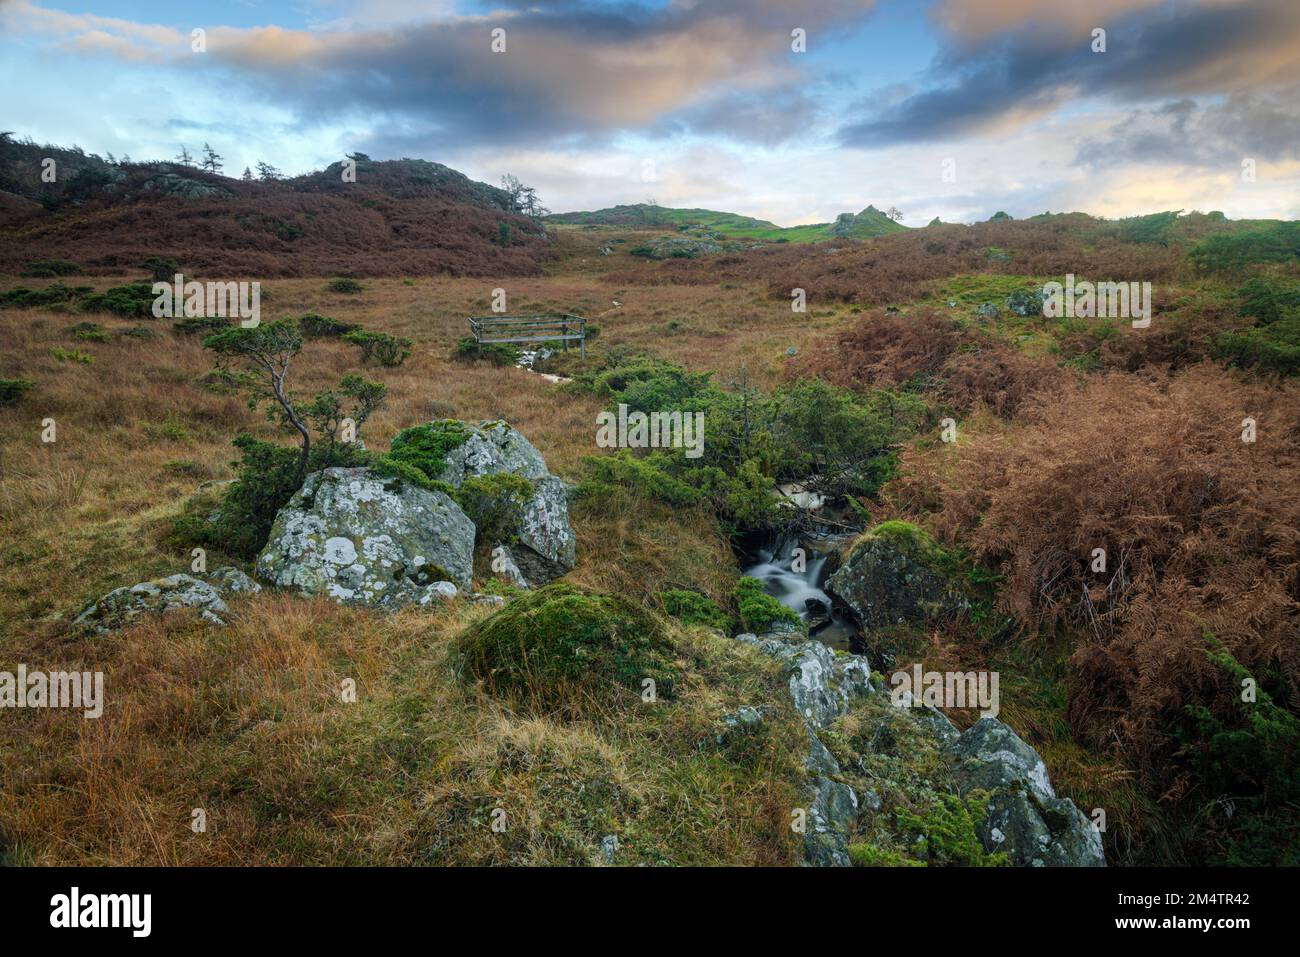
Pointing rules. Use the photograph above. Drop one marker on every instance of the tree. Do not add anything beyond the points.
(184, 158)
(264, 353)
(894, 213)
(267, 171)
(523, 199)
(211, 159)
(248, 175)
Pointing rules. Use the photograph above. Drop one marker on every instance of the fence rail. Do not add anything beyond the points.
(551, 327)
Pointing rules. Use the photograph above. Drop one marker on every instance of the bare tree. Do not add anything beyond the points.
(894, 213)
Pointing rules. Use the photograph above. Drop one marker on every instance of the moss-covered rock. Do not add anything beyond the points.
(897, 574)
(553, 648)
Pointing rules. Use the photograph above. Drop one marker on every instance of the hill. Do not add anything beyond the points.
(399, 217)
(711, 224)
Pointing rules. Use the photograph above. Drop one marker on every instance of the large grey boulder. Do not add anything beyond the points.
(1025, 820)
(367, 539)
(891, 578)
(123, 605)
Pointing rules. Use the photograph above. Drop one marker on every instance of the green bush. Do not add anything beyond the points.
(1272, 348)
(88, 332)
(758, 611)
(557, 648)
(495, 504)
(692, 608)
(54, 294)
(50, 268)
(1236, 250)
(380, 346)
(161, 269)
(424, 447)
(267, 480)
(199, 325)
(1250, 756)
(134, 300)
(469, 349)
(316, 326)
(13, 390)
(71, 355)
(344, 284)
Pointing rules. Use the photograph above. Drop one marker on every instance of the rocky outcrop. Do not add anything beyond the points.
(822, 687)
(891, 577)
(123, 605)
(363, 538)
(1026, 820)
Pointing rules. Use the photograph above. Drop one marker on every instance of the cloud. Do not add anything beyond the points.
(1170, 50)
(568, 69)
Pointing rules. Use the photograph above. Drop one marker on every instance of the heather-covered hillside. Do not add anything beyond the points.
(401, 217)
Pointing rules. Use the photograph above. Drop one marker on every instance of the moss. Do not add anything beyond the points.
(558, 647)
(869, 855)
(757, 609)
(692, 608)
(424, 447)
(948, 831)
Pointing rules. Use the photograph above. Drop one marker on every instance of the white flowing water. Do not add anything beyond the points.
(775, 568)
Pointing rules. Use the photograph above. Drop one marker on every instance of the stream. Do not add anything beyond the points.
(773, 562)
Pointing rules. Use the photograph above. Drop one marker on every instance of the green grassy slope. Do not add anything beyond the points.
(864, 225)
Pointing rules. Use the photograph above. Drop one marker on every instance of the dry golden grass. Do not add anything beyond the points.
(246, 722)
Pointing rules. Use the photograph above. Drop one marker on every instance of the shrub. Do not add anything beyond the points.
(1233, 251)
(316, 326)
(54, 294)
(692, 608)
(161, 269)
(1271, 348)
(424, 447)
(88, 332)
(268, 478)
(344, 284)
(387, 350)
(71, 355)
(470, 349)
(200, 325)
(50, 268)
(13, 390)
(557, 647)
(134, 300)
(137, 332)
(495, 504)
(758, 611)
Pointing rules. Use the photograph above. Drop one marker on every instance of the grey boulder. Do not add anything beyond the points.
(123, 605)
(367, 539)
(1025, 820)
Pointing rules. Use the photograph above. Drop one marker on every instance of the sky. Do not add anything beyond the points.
(949, 108)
